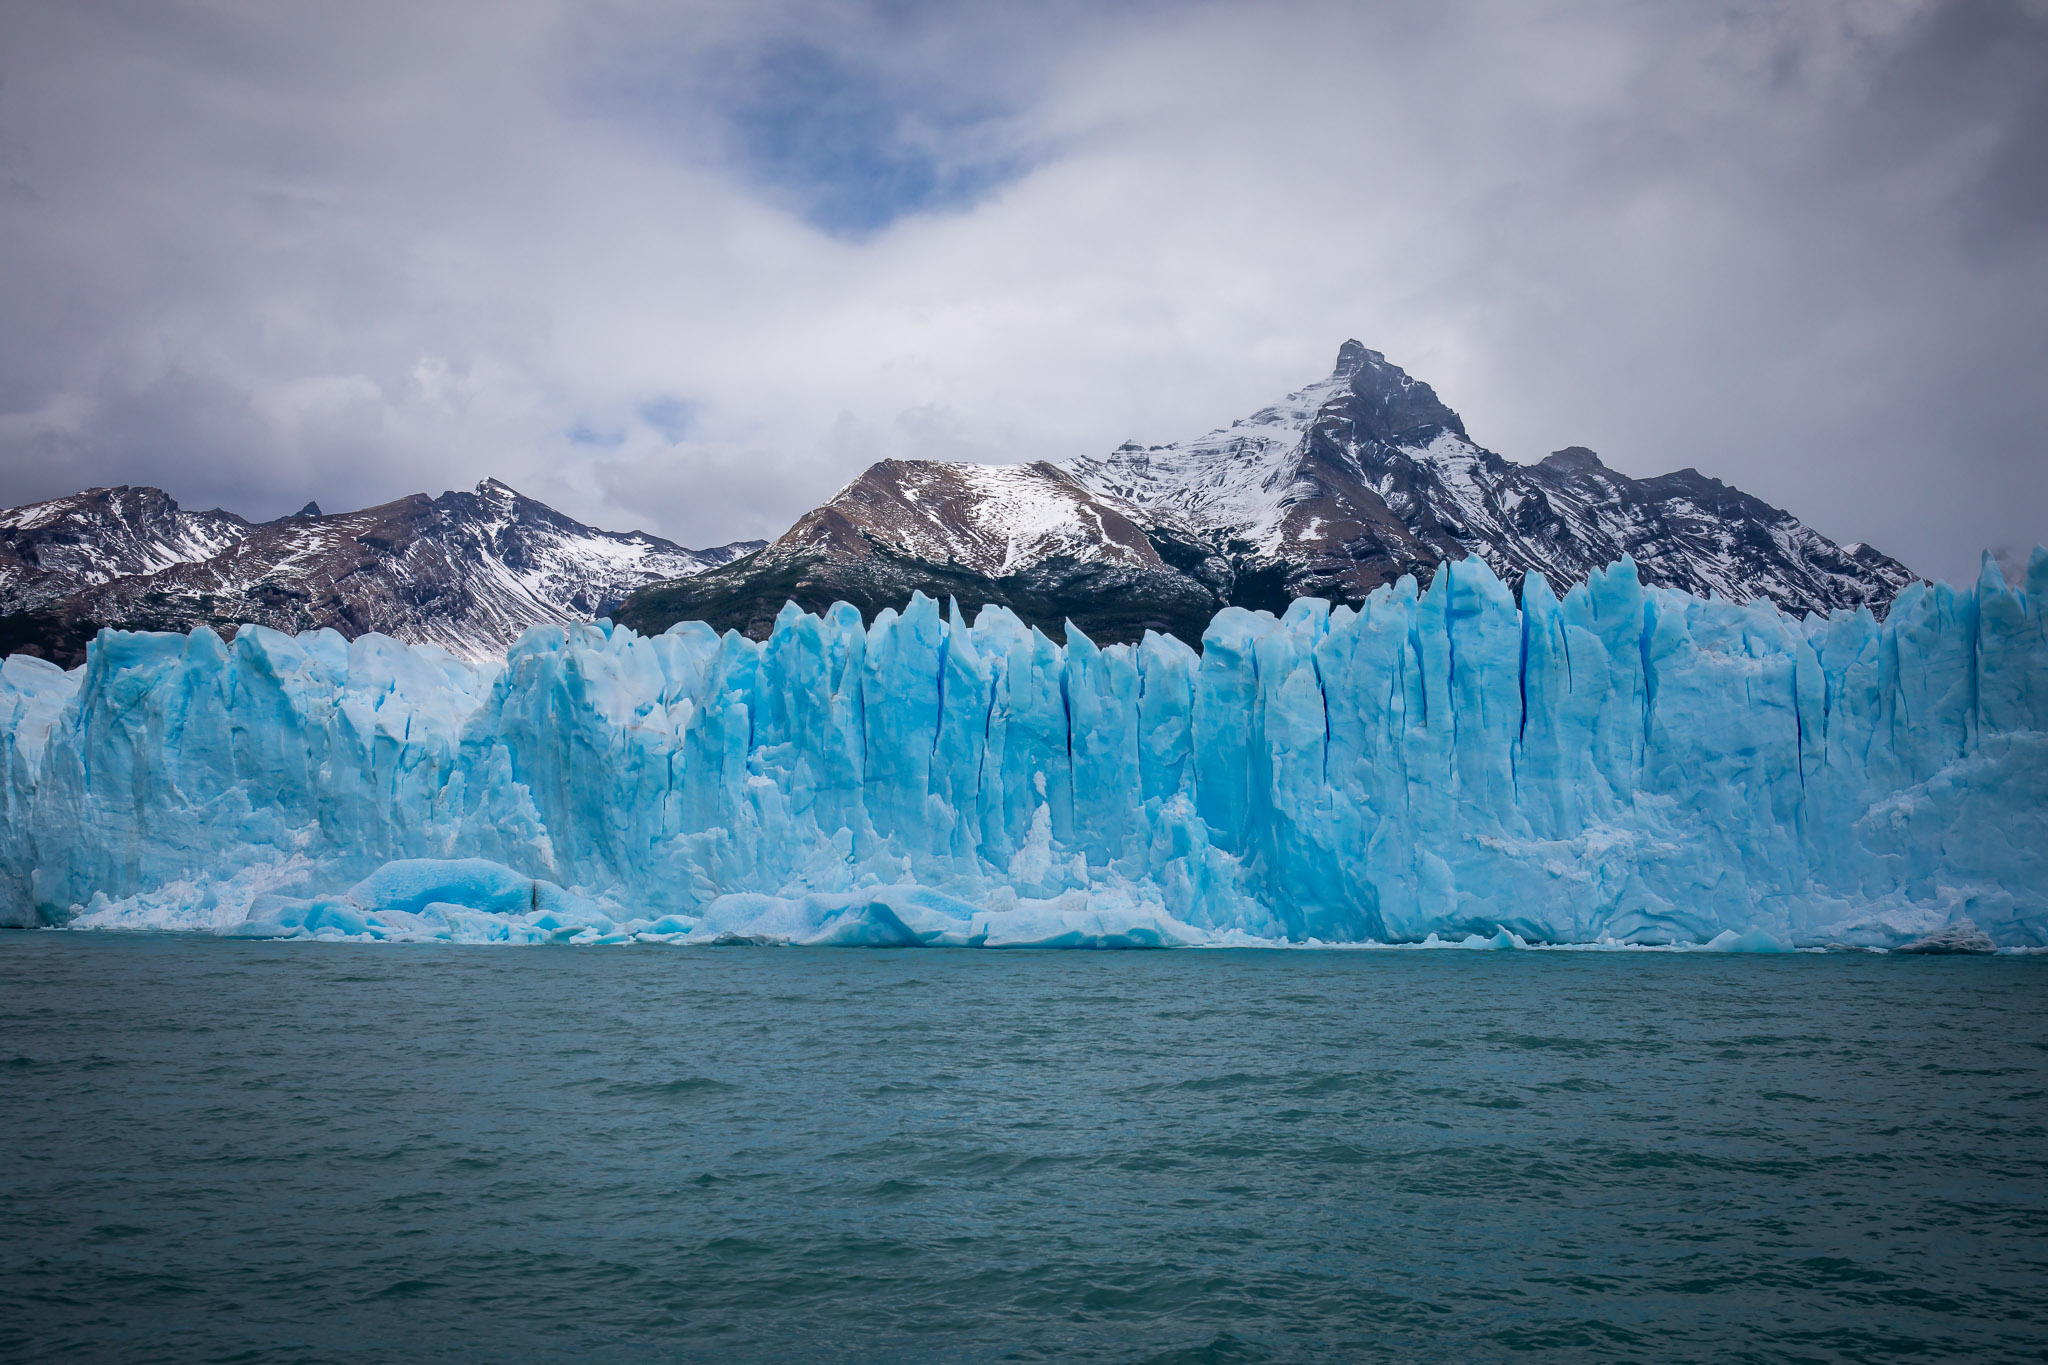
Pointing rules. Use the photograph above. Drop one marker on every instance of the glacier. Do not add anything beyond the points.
(1623, 765)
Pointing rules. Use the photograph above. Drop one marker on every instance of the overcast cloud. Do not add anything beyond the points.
(689, 268)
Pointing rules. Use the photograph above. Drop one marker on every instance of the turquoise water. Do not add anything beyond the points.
(259, 1151)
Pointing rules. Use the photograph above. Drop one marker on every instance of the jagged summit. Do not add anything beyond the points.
(1337, 489)
(1389, 404)
(1571, 460)
(1353, 356)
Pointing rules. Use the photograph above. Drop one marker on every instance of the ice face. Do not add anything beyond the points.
(1622, 764)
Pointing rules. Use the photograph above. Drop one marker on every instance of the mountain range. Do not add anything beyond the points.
(1332, 492)
(467, 571)
(1337, 489)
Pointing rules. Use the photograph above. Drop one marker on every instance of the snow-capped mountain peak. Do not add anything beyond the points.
(1352, 481)
(1240, 481)
(59, 545)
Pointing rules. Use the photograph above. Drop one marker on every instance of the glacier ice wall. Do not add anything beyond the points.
(1624, 764)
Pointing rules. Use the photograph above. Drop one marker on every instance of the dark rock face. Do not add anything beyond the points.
(1333, 492)
(467, 570)
(1106, 604)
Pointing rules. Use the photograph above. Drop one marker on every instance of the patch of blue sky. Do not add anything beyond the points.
(853, 116)
(853, 147)
(670, 417)
(585, 434)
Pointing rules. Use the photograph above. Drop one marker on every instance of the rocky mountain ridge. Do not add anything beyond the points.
(467, 571)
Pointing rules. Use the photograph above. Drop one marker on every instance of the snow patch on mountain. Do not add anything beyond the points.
(993, 520)
(1236, 479)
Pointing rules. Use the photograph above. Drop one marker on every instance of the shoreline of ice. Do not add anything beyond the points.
(473, 902)
(629, 937)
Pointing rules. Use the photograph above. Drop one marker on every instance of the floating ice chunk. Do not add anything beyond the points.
(1960, 937)
(1502, 941)
(1747, 941)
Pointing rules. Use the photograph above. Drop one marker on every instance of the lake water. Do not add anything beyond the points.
(259, 1151)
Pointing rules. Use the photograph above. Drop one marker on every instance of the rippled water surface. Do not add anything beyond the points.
(259, 1151)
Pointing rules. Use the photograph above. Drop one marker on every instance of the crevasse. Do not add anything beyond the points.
(1625, 764)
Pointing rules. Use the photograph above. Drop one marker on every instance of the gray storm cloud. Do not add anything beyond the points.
(690, 270)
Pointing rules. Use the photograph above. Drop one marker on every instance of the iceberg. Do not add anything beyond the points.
(1623, 765)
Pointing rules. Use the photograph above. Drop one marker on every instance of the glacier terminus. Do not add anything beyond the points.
(1622, 765)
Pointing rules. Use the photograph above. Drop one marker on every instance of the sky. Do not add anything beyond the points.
(690, 267)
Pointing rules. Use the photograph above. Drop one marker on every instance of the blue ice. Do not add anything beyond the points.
(1620, 765)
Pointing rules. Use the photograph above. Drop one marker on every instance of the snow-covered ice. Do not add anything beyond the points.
(1622, 766)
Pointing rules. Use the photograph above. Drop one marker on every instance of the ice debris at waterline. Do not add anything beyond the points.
(1630, 764)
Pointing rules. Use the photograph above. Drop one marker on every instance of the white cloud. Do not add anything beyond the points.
(354, 253)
